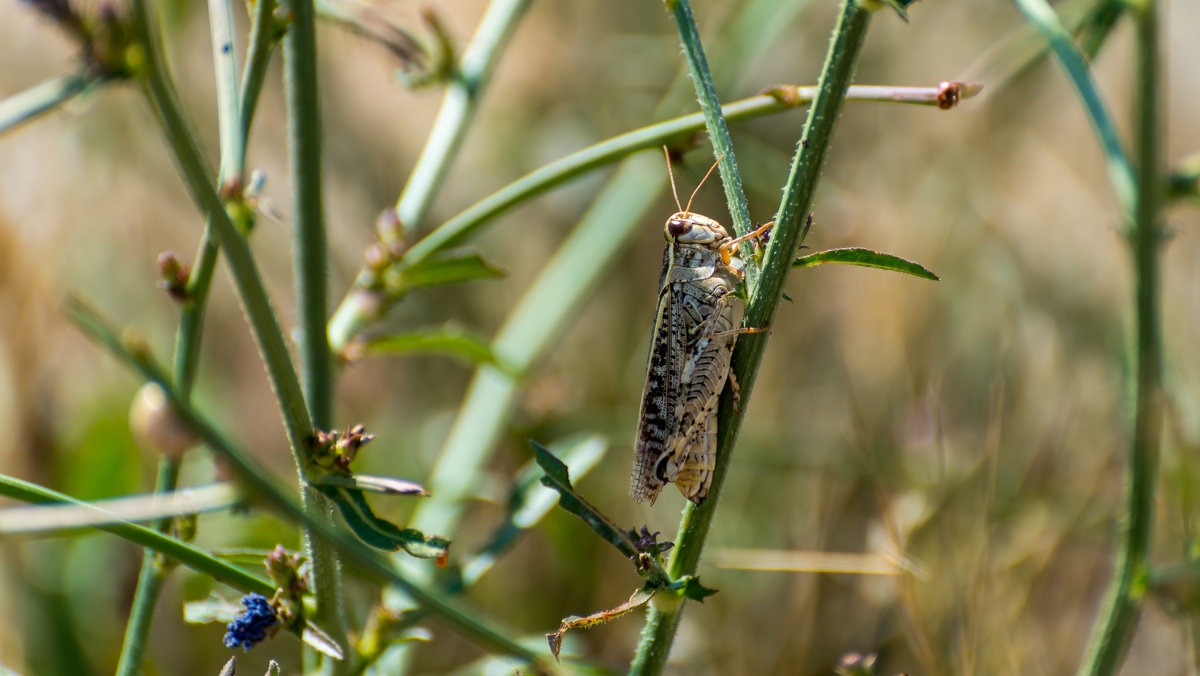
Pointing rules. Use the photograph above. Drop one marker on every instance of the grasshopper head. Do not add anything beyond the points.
(684, 227)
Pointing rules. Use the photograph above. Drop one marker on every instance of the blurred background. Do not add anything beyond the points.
(976, 424)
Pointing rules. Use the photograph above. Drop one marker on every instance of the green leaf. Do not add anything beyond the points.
(866, 258)
(557, 478)
(447, 267)
(381, 533)
(449, 340)
(695, 591)
(374, 484)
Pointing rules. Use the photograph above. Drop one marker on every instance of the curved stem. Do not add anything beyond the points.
(356, 310)
(458, 110)
(1118, 619)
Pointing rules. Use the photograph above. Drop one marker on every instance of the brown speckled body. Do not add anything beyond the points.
(689, 361)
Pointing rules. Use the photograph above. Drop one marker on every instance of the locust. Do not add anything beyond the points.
(689, 362)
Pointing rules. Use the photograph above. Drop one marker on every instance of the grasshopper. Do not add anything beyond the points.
(689, 358)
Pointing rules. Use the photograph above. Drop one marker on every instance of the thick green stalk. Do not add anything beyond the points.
(1118, 619)
(309, 265)
(663, 619)
(458, 110)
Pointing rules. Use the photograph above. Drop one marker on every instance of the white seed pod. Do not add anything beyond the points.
(155, 424)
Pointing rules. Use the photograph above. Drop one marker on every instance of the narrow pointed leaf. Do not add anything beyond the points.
(866, 258)
(695, 591)
(557, 477)
(381, 533)
(529, 501)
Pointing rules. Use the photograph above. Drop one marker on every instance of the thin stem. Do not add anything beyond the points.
(356, 310)
(1118, 619)
(458, 110)
(309, 267)
(845, 45)
(258, 57)
(233, 140)
(1120, 171)
(40, 99)
(152, 539)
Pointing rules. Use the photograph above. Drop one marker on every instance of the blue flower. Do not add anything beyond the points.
(249, 628)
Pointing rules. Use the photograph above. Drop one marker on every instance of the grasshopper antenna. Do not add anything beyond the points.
(688, 210)
(671, 174)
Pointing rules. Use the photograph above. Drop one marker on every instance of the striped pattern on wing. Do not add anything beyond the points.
(652, 466)
(687, 369)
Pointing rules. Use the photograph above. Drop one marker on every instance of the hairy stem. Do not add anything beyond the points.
(1118, 619)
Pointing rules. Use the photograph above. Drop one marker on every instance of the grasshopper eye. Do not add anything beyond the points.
(677, 227)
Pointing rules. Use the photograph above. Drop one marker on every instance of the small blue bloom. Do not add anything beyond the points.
(249, 628)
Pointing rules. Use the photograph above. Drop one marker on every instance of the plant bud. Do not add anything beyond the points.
(155, 424)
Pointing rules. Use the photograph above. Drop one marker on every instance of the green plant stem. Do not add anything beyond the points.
(1120, 171)
(309, 252)
(41, 98)
(357, 308)
(260, 487)
(258, 58)
(152, 539)
(153, 573)
(665, 613)
(1118, 619)
(714, 121)
(462, 96)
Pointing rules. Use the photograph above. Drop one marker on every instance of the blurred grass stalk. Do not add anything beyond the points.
(1138, 186)
(662, 622)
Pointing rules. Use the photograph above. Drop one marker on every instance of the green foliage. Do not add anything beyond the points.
(968, 446)
(866, 258)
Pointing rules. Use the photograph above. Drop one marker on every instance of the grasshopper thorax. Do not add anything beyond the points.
(684, 227)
